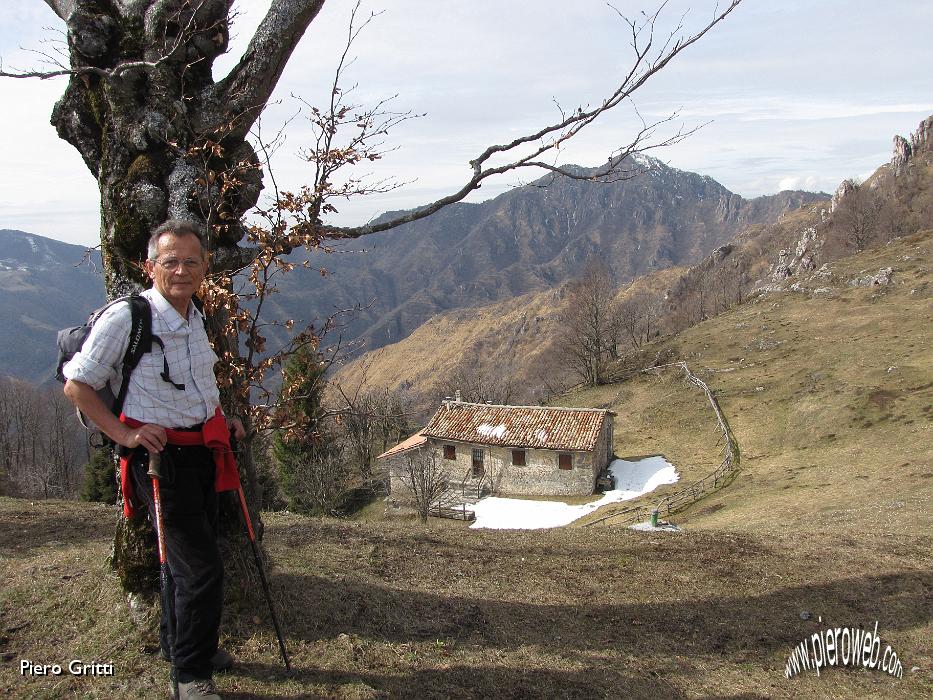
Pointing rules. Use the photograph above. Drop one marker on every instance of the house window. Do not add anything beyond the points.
(450, 452)
(518, 458)
(565, 461)
(478, 468)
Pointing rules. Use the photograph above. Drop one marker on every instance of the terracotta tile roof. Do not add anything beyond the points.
(540, 427)
(415, 440)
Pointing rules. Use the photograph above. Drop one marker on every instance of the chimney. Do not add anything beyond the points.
(457, 396)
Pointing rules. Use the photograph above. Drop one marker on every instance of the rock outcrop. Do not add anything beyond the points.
(881, 279)
(802, 259)
(844, 188)
(920, 139)
(905, 150)
(902, 153)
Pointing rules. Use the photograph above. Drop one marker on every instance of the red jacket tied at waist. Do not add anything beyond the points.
(214, 435)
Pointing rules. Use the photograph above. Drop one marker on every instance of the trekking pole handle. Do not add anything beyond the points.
(155, 466)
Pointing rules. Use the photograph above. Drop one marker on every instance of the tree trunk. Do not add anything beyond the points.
(165, 141)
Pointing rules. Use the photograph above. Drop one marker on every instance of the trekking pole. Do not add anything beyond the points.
(155, 473)
(262, 577)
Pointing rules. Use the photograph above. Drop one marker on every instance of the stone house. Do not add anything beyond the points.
(519, 450)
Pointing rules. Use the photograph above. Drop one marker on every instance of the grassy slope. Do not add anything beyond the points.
(830, 396)
(828, 516)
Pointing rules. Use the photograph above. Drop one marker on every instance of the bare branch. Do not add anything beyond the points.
(115, 72)
(59, 67)
(647, 62)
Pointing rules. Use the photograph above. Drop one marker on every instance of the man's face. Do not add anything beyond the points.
(179, 268)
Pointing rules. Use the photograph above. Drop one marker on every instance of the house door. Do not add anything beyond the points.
(478, 469)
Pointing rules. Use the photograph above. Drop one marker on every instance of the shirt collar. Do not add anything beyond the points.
(169, 314)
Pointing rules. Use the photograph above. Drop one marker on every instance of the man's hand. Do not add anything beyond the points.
(148, 435)
(235, 426)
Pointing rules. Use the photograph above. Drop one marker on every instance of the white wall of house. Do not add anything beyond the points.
(540, 475)
(397, 466)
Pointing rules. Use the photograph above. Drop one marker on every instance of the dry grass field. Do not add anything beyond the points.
(397, 610)
(827, 524)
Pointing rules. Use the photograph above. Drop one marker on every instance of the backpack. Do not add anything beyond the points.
(71, 340)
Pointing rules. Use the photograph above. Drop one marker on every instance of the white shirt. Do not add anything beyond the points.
(149, 398)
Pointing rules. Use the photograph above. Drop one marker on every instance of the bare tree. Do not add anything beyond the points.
(42, 447)
(316, 480)
(371, 421)
(587, 328)
(426, 476)
(628, 319)
(637, 316)
(857, 215)
(479, 384)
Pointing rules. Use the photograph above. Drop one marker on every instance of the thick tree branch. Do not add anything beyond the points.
(246, 89)
(62, 8)
(154, 12)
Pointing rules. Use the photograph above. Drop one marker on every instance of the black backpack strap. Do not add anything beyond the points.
(141, 340)
(199, 305)
(140, 343)
(164, 374)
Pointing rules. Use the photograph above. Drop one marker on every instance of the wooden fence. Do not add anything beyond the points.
(721, 476)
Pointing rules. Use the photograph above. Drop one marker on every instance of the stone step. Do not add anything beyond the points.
(453, 513)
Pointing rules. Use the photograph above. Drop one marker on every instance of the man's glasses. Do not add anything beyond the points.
(172, 264)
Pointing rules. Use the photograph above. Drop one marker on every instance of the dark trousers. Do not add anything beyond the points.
(195, 569)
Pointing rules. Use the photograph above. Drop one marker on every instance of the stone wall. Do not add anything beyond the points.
(397, 468)
(603, 450)
(540, 476)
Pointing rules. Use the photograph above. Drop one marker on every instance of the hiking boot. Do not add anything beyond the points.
(197, 690)
(221, 661)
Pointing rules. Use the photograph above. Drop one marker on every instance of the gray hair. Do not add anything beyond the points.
(178, 227)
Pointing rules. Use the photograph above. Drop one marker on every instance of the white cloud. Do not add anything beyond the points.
(810, 183)
(784, 108)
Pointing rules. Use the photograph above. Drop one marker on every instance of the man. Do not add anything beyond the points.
(172, 393)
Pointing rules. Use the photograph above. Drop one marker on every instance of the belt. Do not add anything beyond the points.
(213, 434)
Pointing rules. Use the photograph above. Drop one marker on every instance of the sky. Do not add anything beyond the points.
(791, 94)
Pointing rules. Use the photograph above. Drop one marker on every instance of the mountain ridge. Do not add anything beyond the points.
(532, 238)
(46, 285)
(469, 254)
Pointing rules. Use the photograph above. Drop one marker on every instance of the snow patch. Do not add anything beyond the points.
(633, 479)
(487, 430)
